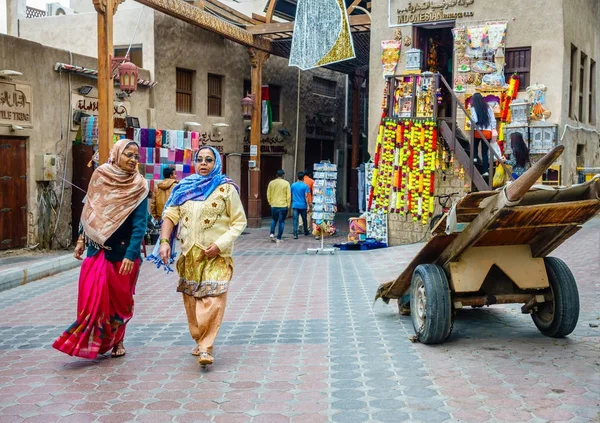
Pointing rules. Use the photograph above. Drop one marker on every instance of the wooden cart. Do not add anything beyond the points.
(497, 253)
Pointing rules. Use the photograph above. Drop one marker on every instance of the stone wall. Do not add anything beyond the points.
(50, 117)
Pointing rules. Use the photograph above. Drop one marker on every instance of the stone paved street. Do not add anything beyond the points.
(302, 342)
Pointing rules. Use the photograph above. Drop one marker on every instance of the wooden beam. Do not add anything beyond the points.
(232, 11)
(271, 28)
(270, 10)
(259, 18)
(352, 6)
(189, 13)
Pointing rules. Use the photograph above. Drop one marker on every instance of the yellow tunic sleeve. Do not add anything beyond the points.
(237, 221)
(173, 213)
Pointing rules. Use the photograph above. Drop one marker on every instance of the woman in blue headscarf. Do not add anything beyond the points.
(208, 209)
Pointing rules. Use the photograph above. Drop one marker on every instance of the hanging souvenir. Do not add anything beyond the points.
(483, 66)
(537, 99)
(496, 36)
(476, 37)
(390, 54)
(511, 93)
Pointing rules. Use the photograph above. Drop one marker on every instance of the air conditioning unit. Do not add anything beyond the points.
(57, 9)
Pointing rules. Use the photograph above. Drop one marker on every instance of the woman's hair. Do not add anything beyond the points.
(481, 108)
(519, 149)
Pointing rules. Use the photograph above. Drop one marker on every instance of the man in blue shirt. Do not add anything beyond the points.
(300, 195)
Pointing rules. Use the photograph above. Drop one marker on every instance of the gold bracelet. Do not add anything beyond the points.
(80, 241)
(165, 241)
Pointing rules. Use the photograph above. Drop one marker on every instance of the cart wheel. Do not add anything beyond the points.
(558, 317)
(431, 310)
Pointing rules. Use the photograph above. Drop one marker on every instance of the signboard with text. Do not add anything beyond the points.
(401, 13)
(89, 106)
(15, 104)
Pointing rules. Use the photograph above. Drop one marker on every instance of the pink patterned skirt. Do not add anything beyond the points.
(104, 306)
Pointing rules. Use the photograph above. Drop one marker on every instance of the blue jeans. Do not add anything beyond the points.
(278, 214)
(301, 212)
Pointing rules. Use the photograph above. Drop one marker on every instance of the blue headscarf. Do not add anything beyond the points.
(194, 187)
(198, 187)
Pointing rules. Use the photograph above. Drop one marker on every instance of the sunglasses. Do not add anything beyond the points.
(206, 160)
(133, 156)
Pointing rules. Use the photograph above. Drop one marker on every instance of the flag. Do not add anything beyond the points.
(267, 113)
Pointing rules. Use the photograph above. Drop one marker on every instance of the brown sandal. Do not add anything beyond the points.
(205, 359)
(118, 350)
(196, 351)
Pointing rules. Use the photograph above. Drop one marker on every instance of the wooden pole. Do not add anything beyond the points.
(106, 9)
(257, 60)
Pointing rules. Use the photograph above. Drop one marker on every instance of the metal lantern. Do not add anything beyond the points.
(247, 106)
(128, 76)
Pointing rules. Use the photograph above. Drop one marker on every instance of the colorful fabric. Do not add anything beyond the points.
(267, 112)
(200, 276)
(187, 140)
(179, 140)
(187, 157)
(151, 138)
(195, 141)
(136, 135)
(144, 137)
(104, 306)
(113, 193)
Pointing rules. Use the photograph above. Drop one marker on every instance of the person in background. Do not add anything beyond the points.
(520, 155)
(113, 224)
(162, 191)
(211, 216)
(279, 197)
(300, 194)
(311, 183)
(483, 116)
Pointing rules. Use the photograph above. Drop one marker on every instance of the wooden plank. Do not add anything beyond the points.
(550, 239)
(232, 11)
(352, 6)
(509, 237)
(463, 158)
(189, 13)
(557, 214)
(271, 28)
(398, 287)
(259, 18)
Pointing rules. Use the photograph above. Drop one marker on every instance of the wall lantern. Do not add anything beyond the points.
(128, 73)
(247, 106)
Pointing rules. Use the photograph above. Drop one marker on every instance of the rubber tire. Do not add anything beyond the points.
(566, 301)
(438, 307)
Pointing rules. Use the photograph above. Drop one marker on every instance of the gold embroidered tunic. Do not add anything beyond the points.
(219, 219)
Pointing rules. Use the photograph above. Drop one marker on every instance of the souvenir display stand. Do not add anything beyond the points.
(324, 201)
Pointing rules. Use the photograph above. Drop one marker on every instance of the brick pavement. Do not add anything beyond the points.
(301, 342)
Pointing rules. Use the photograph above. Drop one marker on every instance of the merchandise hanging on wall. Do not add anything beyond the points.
(377, 224)
(537, 99)
(321, 34)
(390, 54)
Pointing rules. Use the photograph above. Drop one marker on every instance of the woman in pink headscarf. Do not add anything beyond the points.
(113, 224)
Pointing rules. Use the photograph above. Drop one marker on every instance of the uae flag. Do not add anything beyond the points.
(267, 114)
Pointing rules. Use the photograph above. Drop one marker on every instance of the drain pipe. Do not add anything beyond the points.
(297, 128)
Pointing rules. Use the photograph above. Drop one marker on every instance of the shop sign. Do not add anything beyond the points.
(267, 145)
(89, 106)
(206, 138)
(428, 11)
(15, 104)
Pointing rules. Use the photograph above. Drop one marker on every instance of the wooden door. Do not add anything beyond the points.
(13, 193)
(82, 154)
(317, 150)
(268, 171)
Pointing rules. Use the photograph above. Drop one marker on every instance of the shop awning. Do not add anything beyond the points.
(93, 73)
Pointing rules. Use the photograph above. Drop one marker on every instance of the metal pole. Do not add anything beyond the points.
(297, 126)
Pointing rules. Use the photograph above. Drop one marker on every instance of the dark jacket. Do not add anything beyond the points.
(126, 242)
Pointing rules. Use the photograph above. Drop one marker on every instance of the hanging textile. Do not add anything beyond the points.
(321, 34)
(267, 112)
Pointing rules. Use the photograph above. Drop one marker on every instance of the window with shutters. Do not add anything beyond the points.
(215, 95)
(275, 94)
(184, 90)
(581, 90)
(518, 61)
(573, 71)
(324, 87)
(592, 95)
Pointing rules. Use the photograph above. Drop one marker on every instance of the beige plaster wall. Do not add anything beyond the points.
(182, 45)
(582, 29)
(50, 116)
(79, 33)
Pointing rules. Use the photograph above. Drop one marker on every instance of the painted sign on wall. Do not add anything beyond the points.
(428, 11)
(15, 104)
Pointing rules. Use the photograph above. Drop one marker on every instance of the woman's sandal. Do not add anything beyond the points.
(196, 351)
(118, 350)
(205, 359)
